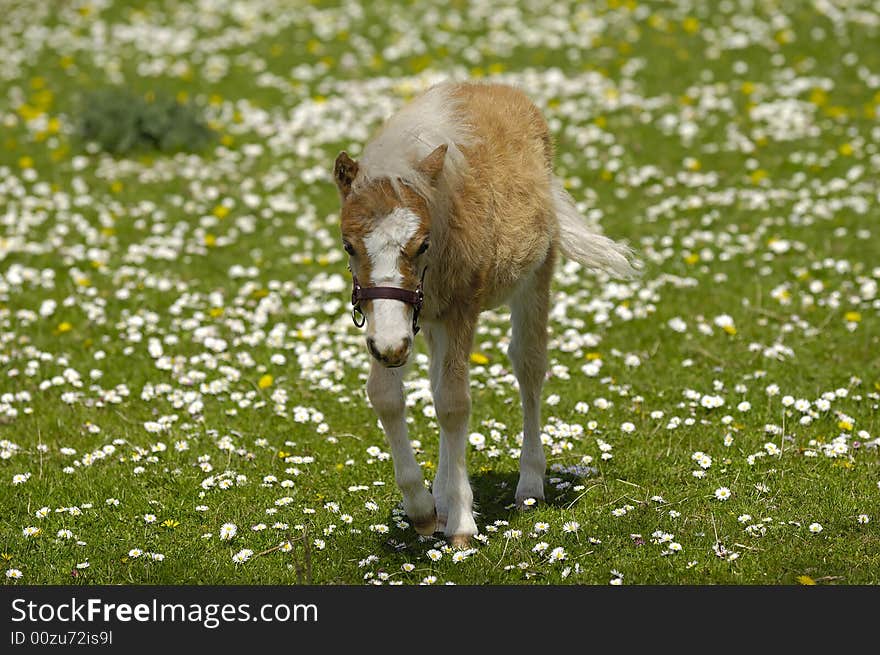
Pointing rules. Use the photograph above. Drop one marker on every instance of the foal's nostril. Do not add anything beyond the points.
(371, 346)
(390, 356)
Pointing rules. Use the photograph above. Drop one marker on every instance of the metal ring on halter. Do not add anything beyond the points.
(358, 317)
(357, 314)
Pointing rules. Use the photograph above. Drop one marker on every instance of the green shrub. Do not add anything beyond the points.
(120, 121)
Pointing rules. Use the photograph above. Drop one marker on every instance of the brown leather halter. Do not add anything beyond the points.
(359, 294)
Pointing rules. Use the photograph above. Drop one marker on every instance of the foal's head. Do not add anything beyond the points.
(385, 231)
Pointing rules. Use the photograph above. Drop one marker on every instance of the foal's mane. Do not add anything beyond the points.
(410, 135)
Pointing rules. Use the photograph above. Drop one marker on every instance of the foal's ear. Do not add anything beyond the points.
(344, 171)
(432, 165)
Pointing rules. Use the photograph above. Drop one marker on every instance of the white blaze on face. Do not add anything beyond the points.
(391, 322)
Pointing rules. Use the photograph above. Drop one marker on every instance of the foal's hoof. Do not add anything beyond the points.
(460, 541)
(426, 527)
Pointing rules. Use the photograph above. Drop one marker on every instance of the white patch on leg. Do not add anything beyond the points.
(439, 344)
(439, 487)
(529, 367)
(390, 321)
(460, 517)
(385, 390)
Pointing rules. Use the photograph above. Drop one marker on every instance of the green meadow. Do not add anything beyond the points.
(182, 391)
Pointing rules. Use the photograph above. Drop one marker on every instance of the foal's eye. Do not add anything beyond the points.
(347, 246)
(423, 247)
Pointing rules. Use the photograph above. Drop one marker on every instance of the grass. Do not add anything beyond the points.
(199, 313)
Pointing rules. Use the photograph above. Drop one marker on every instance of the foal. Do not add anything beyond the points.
(454, 209)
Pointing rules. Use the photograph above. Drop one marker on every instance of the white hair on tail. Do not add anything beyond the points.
(585, 245)
(410, 135)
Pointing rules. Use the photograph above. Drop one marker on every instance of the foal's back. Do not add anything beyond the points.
(502, 220)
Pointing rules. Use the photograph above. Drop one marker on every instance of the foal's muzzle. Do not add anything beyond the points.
(393, 358)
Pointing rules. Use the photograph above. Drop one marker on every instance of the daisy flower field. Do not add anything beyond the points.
(182, 391)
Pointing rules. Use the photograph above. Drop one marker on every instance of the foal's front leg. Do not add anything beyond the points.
(438, 489)
(450, 360)
(385, 390)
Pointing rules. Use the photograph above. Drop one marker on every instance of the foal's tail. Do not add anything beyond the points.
(582, 243)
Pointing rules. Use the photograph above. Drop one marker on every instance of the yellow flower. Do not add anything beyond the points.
(282, 454)
(29, 112)
(221, 211)
(818, 96)
(692, 259)
(853, 317)
(784, 36)
(657, 22)
(170, 523)
(806, 580)
(265, 381)
(64, 327)
(210, 240)
(479, 358)
(216, 312)
(729, 329)
(845, 425)
(25, 162)
(690, 25)
(846, 150)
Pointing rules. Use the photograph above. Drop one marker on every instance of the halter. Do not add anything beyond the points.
(359, 294)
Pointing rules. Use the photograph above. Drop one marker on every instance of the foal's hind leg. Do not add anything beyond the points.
(450, 360)
(385, 389)
(528, 354)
